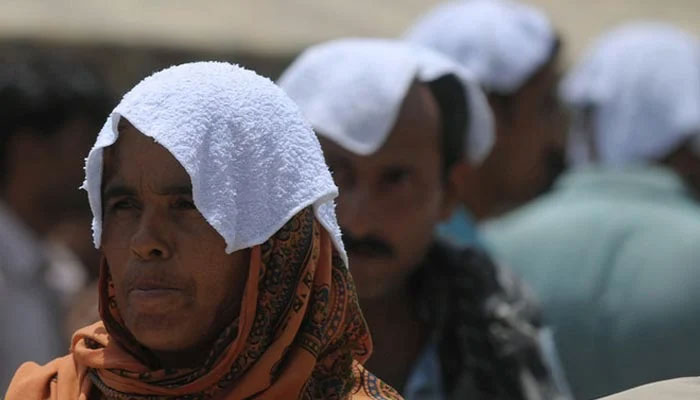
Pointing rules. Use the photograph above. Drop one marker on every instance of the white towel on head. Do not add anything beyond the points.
(254, 162)
(503, 42)
(641, 83)
(351, 90)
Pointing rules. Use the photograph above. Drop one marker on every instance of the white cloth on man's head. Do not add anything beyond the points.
(351, 90)
(501, 41)
(637, 92)
(253, 160)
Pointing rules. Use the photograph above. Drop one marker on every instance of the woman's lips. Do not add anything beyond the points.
(154, 297)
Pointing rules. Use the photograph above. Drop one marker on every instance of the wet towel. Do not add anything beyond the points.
(254, 162)
(502, 42)
(640, 85)
(351, 90)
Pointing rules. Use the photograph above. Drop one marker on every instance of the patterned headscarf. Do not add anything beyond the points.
(300, 334)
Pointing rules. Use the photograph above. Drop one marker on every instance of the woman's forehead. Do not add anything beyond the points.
(137, 158)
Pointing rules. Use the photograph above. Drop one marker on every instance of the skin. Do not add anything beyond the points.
(176, 288)
(529, 150)
(389, 204)
(686, 163)
(56, 161)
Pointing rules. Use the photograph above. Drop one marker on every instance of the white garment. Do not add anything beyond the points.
(351, 90)
(30, 315)
(253, 160)
(641, 85)
(503, 42)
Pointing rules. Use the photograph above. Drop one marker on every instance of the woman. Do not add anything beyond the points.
(223, 275)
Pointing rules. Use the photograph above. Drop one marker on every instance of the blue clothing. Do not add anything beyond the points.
(460, 230)
(425, 380)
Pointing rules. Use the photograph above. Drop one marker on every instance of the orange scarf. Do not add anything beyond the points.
(300, 335)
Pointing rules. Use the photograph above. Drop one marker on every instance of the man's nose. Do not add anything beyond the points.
(149, 242)
(355, 213)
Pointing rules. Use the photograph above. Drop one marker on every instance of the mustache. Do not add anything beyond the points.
(368, 245)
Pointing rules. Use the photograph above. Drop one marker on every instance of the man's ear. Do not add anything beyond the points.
(455, 186)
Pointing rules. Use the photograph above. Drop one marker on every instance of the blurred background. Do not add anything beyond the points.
(128, 39)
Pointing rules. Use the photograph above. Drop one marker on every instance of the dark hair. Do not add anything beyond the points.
(450, 95)
(41, 93)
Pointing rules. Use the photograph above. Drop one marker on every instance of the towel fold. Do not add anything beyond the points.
(502, 42)
(253, 160)
(351, 90)
(637, 93)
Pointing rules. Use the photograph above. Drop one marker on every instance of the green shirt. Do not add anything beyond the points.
(614, 256)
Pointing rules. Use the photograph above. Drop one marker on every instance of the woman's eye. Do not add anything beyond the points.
(122, 205)
(184, 204)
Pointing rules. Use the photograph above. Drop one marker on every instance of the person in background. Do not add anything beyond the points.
(399, 125)
(612, 252)
(514, 53)
(222, 272)
(49, 109)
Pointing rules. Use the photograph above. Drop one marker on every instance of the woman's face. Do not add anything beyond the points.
(175, 286)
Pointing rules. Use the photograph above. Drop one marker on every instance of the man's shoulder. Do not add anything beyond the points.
(571, 223)
(597, 210)
(497, 283)
(674, 389)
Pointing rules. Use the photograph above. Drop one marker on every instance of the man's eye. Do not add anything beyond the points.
(395, 176)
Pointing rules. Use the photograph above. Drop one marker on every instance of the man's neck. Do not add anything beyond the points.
(397, 333)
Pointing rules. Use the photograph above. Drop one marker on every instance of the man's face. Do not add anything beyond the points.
(174, 285)
(391, 200)
(529, 150)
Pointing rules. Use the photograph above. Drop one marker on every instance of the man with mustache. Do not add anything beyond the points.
(399, 125)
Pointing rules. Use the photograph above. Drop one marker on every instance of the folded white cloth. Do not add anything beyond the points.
(254, 162)
(501, 41)
(351, 90)
(637, 92)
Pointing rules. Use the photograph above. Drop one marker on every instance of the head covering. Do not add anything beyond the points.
(351, 90)
(502, 42)
(300, 332)
(253, 160)
(637, 92)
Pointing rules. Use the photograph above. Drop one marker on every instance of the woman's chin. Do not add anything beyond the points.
(161, 333)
